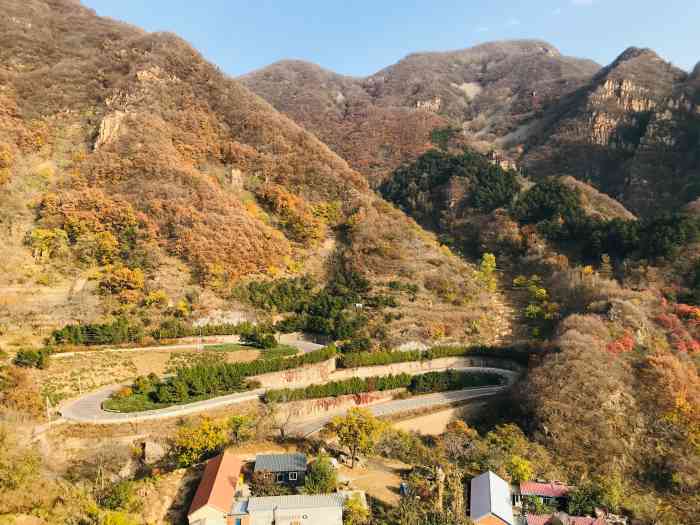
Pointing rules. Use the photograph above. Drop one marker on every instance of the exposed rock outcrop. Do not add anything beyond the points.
(629, 132)
(110, 128)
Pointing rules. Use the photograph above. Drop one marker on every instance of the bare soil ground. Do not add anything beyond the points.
(379, 478)
(429, 424)
(169, 496)
(68, 376)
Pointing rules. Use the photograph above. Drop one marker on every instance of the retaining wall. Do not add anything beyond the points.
(303, 376)
(326, 371)
(332, 405)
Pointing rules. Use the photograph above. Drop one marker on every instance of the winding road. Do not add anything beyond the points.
(88, 408)
(311, 426)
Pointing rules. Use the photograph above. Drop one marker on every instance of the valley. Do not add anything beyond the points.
(480, 262)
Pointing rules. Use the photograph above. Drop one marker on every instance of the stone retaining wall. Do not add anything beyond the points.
(420, 367)
(331, 405)
(297, 377)
(326, 371)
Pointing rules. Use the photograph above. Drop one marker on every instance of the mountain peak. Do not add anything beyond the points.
(695, 74)
(635, 52)
(644, 67)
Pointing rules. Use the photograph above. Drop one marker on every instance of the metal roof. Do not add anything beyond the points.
(280, 462)
(490, 494)
(301, 501)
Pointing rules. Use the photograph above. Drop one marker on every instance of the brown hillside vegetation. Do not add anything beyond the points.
(341, 112)
(631, 129)
(129, 147)
(494, 92)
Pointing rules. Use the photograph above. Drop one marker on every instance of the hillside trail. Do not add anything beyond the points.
(508, 305)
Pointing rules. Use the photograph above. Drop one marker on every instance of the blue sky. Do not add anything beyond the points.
(359, 37)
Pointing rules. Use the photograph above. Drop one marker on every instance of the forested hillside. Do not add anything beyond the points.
(139, 180)
(528, 207)
(616, 401)
(632, 132)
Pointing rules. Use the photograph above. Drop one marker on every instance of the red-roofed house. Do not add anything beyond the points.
(547, 519)
(212, 501)
(550, 493)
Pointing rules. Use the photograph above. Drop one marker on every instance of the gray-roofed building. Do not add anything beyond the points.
(323, 509)
(286, 468)
(490, 500)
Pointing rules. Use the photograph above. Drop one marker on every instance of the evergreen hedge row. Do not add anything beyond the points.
(213, 379)
(452, 380)
(417, 384)
(519, 354)
(119, 331)
(122, 331)
(354, 385)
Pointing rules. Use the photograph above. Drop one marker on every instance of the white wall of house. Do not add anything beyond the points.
(207, 515)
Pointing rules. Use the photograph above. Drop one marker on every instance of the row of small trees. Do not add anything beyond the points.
(212, 379)
(417, 384)
(355, 359)
(123, 330)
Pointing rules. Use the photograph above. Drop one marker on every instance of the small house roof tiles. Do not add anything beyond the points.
(218, 484)
(551, 490)
(280, 462)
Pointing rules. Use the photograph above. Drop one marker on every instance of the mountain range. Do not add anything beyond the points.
(501, 200)
(630, 128)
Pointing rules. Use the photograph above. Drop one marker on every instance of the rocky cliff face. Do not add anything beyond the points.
(632, 132)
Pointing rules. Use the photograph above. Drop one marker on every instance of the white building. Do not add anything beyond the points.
(323, 509)
(490, 500)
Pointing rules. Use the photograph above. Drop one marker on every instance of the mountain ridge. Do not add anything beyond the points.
(131, 165)
(385, 119)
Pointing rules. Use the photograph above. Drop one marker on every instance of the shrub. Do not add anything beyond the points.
(281, 295)
(518, 354)
(119, 331)
(258, 336)
(196, 442)
(242, 428)
(47, 243)
(451, 380)
(321, 476)
(212, 379)
(120, 496)
(263, 484)
(423, 383)
(123, 392)
(121, 278)
(29, 358)
(547, 200)
(356, 344)
(355, 385)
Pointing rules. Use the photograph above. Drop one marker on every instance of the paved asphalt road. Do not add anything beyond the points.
(403, 405)
(88, 408)
(303, 346)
